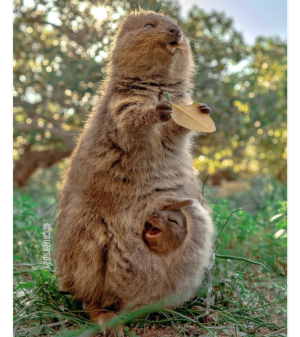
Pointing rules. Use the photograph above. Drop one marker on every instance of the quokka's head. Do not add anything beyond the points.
(151, 44)
(167, 229)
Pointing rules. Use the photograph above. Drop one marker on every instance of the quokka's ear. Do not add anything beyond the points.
(178, 205)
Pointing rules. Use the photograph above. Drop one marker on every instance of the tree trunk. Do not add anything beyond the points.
(31, 160)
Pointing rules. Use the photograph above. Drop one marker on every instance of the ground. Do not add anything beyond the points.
(246, 284)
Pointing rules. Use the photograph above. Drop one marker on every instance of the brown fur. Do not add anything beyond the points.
(167, 229)
(127, 164)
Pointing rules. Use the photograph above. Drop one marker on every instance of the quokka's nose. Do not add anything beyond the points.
(176, 32)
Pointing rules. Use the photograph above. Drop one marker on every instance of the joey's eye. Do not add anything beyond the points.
(171, 220)
(149, 25)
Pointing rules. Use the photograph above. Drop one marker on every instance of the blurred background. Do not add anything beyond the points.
(60, 53)
(61, 48)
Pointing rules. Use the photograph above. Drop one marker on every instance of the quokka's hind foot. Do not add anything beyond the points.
(101, 316)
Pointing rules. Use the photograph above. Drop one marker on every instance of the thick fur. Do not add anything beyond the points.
(167, 229)
(127, 164)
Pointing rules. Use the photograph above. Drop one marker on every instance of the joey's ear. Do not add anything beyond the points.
(178, 205)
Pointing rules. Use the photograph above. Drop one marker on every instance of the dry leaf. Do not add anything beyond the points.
(190, 117)
(197, 308)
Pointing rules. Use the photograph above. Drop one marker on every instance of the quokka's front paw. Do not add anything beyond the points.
(164, 110)
(204, 108)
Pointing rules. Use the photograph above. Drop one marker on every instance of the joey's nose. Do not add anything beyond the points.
(153, 217)
(176, 33)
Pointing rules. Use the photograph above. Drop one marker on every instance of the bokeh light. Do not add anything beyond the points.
(99, 13)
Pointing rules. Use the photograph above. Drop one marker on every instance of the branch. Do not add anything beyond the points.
(31, 160)
(37, 20)
(66, 136)
(30, 108)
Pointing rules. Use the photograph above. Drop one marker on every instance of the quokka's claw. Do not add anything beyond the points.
(204, 108)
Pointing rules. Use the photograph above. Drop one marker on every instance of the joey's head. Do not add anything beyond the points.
(150, 44)
(167, 229)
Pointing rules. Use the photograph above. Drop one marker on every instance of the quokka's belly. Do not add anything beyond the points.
(135, 274)
(138, 276)
(155, 282)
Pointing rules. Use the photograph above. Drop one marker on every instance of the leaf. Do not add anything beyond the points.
(190, 117)
(25, 197)
(275, 217)
(25, 285)
(282, 224)
(226, 237)
(168, 97)
(34, 275)
(279, 233)
(17, 257)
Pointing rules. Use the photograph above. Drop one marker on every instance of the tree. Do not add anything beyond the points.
(252, 137)
(60, 54)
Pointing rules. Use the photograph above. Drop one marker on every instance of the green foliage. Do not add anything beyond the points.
(257, 230)
(244, 295)
(31, 211)
(255, 236)
(60, 55)
(24, 227)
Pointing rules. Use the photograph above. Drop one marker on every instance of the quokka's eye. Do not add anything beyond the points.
(149, 25)
(171, 220)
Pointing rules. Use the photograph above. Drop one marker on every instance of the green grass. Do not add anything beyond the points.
(244, 293)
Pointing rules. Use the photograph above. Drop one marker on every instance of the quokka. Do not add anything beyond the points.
(131, 160)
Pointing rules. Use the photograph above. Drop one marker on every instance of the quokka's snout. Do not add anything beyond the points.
(175, 35)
